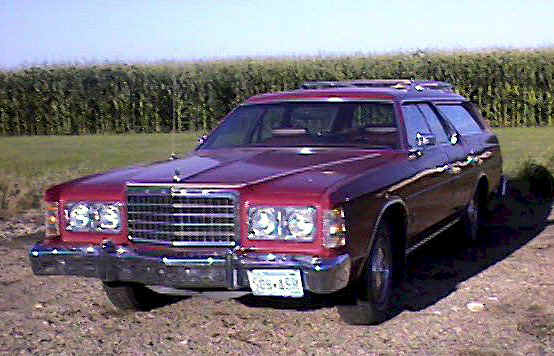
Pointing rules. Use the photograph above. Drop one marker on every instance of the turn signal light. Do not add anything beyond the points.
(51, 219)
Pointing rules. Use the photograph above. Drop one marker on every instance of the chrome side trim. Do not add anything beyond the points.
(432, 236)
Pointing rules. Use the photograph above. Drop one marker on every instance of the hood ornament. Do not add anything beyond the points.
(176, 177)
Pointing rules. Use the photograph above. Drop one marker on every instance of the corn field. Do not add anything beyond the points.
(512, 88)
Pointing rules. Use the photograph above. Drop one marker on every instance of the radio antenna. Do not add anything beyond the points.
(173, 154)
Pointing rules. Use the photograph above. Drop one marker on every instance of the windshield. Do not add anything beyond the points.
(363, 125)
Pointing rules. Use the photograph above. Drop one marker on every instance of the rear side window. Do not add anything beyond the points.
(373, 115)
(460, 118)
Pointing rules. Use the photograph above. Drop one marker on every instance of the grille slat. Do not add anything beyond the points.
(177, 205)
(184, 214)
(180, 224)
(176, 217)
(188, 233)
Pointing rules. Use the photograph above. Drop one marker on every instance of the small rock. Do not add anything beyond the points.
(458, 330)
(475, 307)
(540, 246)
(38, 306)
(494, 299)
(184, 342)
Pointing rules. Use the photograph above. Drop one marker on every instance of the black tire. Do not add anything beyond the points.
(371, 295)
(474, 216)
(135, 297)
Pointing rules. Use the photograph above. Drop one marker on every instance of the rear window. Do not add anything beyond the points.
(460, 118)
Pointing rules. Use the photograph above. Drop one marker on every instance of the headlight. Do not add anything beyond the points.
(263, 221)
(93, 217)
(282, 223)
(301, 222)
(79, 217)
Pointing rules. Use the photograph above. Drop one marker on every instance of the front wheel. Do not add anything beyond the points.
(371, 296)
(135, 297)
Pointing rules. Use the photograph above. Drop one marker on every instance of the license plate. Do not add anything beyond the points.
(276, 282)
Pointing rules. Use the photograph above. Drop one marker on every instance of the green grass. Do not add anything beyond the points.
(523, 144)
(77, 155)
(30, 164)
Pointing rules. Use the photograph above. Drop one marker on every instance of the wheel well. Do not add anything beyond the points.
(397, 217)
(483, 188)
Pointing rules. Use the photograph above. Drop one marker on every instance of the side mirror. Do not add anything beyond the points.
(202, 139)
(425, 139)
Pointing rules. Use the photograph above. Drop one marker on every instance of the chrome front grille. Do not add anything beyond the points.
(175, 216)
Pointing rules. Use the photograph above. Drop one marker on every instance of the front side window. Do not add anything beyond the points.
(298, 124)
(460, 118)
(414, 122)
(434, 123)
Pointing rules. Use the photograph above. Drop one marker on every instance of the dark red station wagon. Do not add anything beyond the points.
(317, 190)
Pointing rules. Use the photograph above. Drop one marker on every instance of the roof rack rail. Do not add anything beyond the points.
(324, 85)
(432, 84)
(380, 83)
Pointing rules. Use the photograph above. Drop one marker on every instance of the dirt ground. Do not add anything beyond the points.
(509, 274)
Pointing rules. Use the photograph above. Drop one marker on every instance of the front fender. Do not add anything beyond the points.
(363, 216)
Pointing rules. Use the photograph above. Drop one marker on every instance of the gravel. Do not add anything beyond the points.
(507, 278)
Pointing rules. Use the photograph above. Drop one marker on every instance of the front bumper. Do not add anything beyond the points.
(222, 269)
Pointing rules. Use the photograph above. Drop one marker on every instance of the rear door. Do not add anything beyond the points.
(471, 155)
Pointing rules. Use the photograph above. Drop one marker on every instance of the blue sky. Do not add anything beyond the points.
(61, 31)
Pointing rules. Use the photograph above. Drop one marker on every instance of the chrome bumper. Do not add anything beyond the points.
(222, 269)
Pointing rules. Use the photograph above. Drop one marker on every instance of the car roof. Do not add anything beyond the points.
(364, 90)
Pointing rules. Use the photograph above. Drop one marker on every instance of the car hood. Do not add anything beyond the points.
(288, 169)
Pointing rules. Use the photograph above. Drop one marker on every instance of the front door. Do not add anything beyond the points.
(428, 195)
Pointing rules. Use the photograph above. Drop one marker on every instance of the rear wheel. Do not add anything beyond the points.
(135, 297)
(370, 299)
(474, 215)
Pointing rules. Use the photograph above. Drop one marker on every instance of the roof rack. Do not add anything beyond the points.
(380, 83)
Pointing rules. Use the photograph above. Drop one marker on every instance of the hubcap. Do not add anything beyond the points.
(380, 272)
(473, 216)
